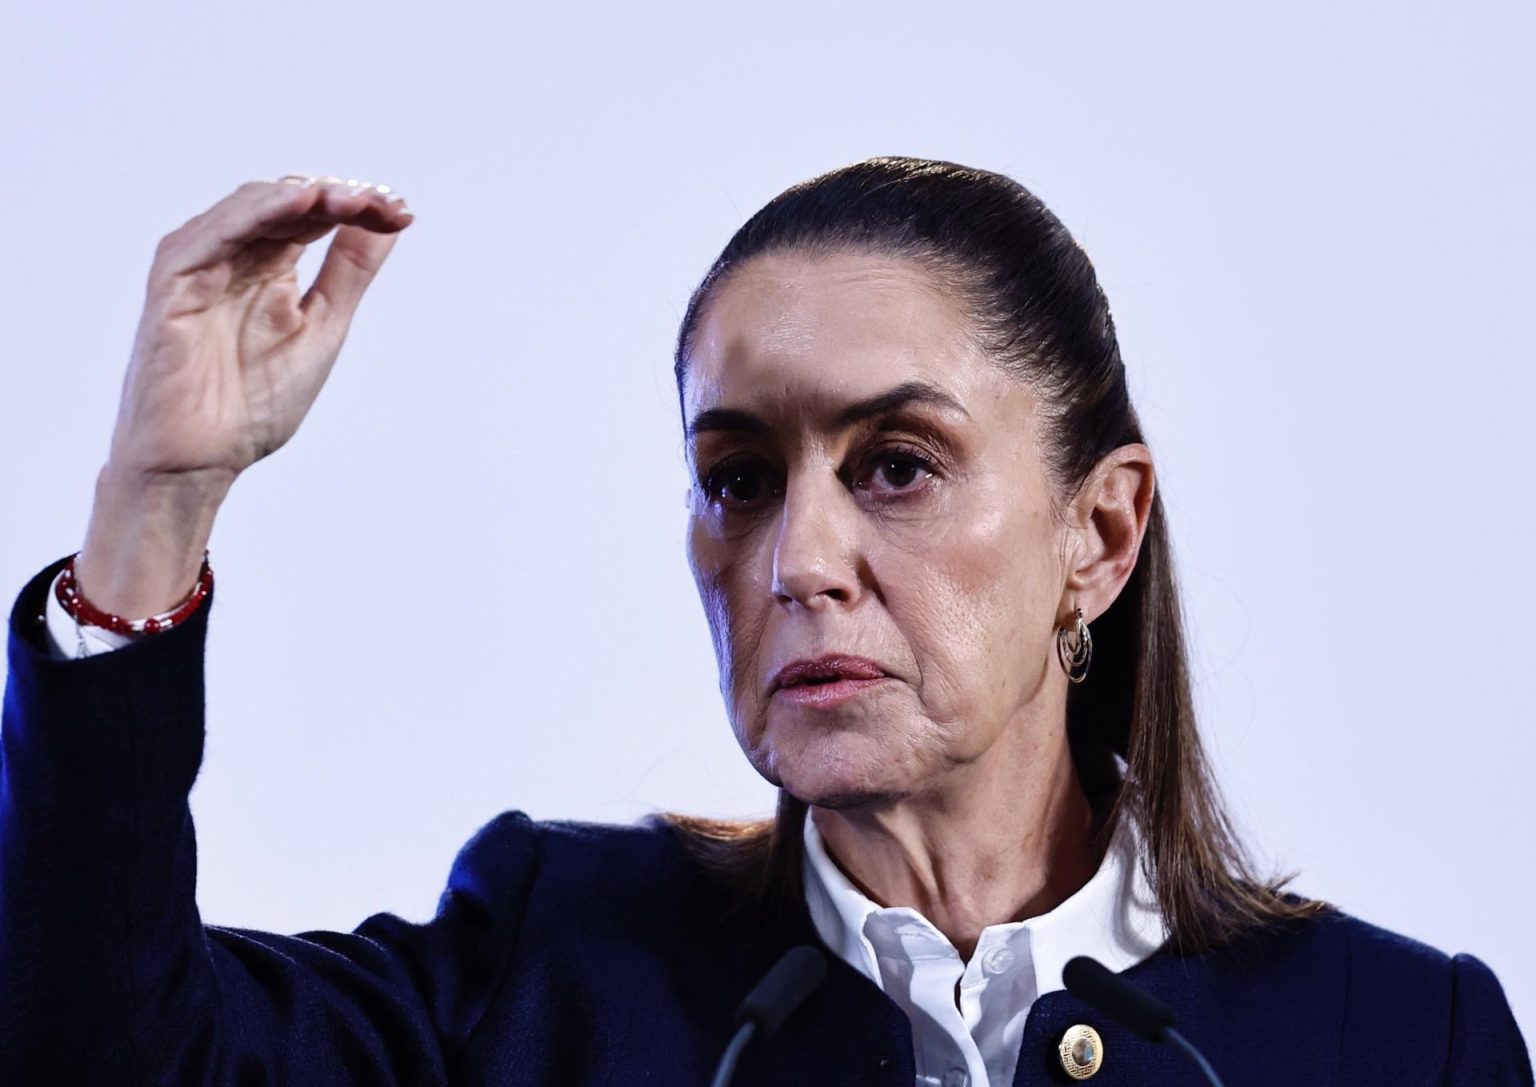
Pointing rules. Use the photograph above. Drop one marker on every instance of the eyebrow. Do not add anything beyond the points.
(894, 399)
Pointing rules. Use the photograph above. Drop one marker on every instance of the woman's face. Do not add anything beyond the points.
(868, 485)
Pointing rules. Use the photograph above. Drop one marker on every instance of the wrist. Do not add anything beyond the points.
(85, 613)
(146, 540)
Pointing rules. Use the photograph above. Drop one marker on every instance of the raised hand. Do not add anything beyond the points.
(228, 358)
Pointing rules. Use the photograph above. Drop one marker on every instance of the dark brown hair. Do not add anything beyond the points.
(1039, 312)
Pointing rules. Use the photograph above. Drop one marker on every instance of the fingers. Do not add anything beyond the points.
(296, 209)
(357, 203)
(351, 262)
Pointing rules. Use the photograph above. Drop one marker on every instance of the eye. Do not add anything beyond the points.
(738, 481)
(899, 468)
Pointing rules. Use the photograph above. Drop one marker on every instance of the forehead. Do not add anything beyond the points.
(805, 333)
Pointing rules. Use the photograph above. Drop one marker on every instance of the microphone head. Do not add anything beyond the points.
(783, 988)
(1096, 985)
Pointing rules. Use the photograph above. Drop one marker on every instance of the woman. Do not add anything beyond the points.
(927, 538)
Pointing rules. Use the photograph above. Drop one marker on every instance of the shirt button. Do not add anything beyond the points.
(998, 960)
(956, 1077)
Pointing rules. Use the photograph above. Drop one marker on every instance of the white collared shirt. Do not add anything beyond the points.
(975, 1043)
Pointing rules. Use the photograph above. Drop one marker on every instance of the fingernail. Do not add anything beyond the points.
(303, 180)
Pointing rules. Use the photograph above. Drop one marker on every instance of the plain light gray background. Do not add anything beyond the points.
(462, 587)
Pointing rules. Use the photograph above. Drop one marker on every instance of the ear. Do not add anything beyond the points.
(1106, 521)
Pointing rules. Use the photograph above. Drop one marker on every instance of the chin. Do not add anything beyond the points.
(850, 801)
(837, 770)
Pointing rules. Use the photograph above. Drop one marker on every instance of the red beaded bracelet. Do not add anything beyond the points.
(84, 612)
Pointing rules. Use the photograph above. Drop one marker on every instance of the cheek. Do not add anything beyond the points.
(974, 598)
(724, 572)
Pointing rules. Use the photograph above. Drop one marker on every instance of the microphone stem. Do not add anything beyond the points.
(727, 1066)
(1194, 1054)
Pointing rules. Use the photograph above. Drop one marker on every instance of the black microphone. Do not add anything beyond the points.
(783, 988)
(1140, 1013)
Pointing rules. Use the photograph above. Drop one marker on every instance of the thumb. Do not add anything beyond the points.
(353, 259)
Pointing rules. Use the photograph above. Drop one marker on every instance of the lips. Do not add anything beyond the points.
(827, 669)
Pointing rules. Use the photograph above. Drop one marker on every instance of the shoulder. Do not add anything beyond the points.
(1380, 962)
(1371, 963)
(1450, 1002)
(1378, 957)
(516, 857)
(1440, 1010)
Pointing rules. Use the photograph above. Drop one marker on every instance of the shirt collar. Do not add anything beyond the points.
(1113, 917)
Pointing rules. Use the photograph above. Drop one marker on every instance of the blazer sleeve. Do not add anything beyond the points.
(1486, 1045)
(107, 973)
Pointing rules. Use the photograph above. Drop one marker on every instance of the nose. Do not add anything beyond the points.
(815, 555)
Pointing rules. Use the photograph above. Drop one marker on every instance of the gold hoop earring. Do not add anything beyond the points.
(1075, 658)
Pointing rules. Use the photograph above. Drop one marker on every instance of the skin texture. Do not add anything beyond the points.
(928, 539)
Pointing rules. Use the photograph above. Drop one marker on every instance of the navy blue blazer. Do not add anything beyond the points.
(561, 953)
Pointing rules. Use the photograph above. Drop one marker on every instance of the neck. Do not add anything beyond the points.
(1007, 837)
